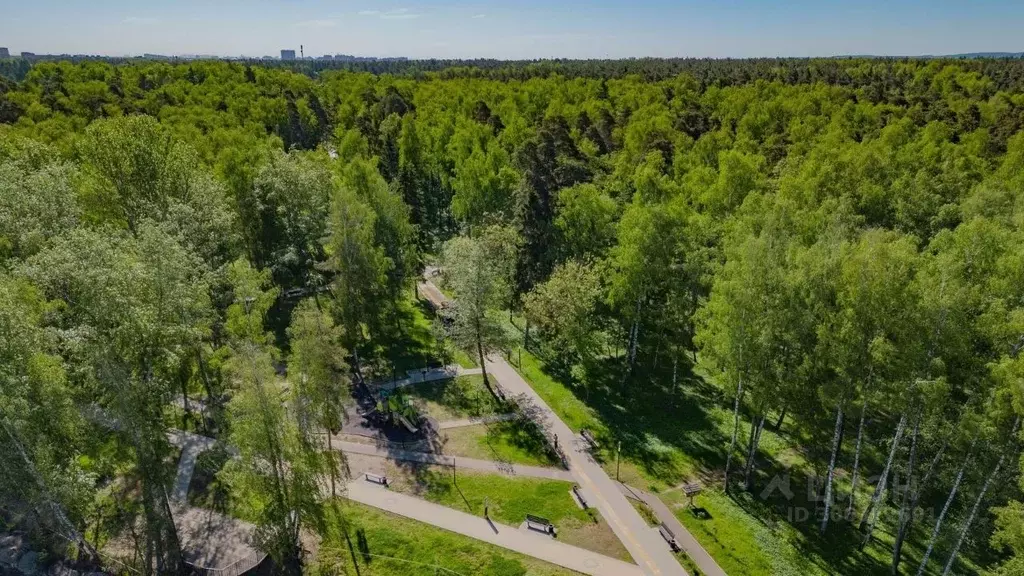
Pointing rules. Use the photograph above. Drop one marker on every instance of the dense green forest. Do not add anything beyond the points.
(831, 250)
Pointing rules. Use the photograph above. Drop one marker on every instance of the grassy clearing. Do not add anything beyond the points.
(385, 544)
(207, 489)
(462, 358)
(673, 435)
(463, 397)
(510, 500)
(414, 548)
(571, 409)
(509, 441)
(175, 417)
(409, 342)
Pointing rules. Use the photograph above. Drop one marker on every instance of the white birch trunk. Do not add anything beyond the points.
(977, 503)
(945, 509)
(634, 336)
(831, 470)
(856, 461)
(675, 366)
(868, 519)
(735, 429)
(752, 453)
(906, 513)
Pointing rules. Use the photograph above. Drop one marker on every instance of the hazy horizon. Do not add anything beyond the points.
(531, 29)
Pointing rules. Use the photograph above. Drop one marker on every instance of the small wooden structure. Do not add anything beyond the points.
(408, 425)
(692, 489)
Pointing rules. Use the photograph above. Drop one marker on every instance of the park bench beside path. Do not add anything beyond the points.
(686, 541)
(536, 545)
(644, 544)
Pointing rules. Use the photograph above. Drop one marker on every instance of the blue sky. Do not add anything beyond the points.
(519, 29)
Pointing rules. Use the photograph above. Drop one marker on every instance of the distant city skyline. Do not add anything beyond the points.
(527, 29)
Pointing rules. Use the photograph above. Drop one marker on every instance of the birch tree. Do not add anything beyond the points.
(272, 469)
(141, 303)
(479, 272)
(872, 342)
(40, 427)
(360, 266)
(319, 379)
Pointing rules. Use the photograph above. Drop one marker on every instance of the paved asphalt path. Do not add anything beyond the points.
(646, 546)
(686, 541)
(537, 545)
(191, 445)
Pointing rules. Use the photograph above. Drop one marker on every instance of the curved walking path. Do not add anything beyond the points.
(455, 461)
(213, 543)
(536, 545)
(428, 290)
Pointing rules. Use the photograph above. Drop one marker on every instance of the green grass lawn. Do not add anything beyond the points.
(511, 499)
(408, 342)
(462, 358)
(385, 544)
(674, 436)
(573, 411)
(461, 397)
(414, 548)
(503, 441)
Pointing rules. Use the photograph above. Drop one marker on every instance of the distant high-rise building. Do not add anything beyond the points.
(28, 55)
(287, 54)
(4, 52)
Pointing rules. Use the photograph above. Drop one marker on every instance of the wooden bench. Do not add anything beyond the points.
(579, 494)
(377, 479)
(540, 524)
(692, 489)
(669, 537)
(589, 438)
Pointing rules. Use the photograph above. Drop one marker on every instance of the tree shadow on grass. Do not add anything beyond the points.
(650, 418)
(465, 395)
(407, 344)
(523, 435)
(434, 484)
(793, 496)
